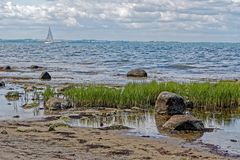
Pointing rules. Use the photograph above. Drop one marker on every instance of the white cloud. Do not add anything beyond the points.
(185, 15)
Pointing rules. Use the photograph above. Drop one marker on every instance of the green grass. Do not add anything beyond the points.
(48, 93)
(144, 95)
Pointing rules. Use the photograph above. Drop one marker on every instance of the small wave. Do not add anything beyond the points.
(184, 66)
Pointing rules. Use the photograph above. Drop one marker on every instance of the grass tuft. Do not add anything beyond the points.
(144, 95)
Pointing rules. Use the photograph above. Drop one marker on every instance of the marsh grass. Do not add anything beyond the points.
(143, 95)
(48, 93)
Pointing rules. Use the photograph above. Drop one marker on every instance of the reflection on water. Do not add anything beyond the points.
(142, 124)
(226, 132)
(227, 129)
(9, 109)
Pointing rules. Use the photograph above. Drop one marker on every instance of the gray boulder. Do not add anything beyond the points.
(137, 73)
(170, 104)
(57, 104)
(45, 76)
(184, 123)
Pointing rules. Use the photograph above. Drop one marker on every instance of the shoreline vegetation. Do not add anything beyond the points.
(217, 96)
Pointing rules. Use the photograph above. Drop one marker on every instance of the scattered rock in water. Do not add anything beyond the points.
(184, 123)
(4, 132)
(57, 104)
(30, 105)
(233, 140)
(2, 84)
(7, 68)
(29, 88)
(170, 104)
(45, 76)
(16, 116)
(115, 127)
(13, 96)
(35, 67)
(137, 73)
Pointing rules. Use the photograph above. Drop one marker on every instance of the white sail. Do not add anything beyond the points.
(49, 38)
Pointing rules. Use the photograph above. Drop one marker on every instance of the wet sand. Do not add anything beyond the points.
(36, 142)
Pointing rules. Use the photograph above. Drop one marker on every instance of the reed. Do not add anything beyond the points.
(48, 93)
(208, 95)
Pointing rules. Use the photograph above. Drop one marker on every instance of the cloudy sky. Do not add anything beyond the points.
(163, 20)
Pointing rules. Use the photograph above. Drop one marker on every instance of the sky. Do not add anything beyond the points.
(134, 20)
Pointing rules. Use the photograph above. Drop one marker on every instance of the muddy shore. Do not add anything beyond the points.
(31, 140)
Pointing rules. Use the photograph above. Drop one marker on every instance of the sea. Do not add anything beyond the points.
(91, 61)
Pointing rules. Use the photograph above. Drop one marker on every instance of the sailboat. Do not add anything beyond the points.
(49, 38)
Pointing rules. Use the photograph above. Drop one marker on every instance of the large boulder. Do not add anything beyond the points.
(45, 76)
(170, 104)
(57, 104)
(184, 123)
(137, 73)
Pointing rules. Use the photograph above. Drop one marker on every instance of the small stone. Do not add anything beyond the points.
(13, 95)
(189, 104)
(27, 129)
(7, 68)
(35, 67)
(16, 116)
(45, 76)
(51, 128)
(233, 140)
(4, 132)
(57, 104)
(2, 84)
(29, 88)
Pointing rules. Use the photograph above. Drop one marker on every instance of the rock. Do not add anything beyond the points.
(35, 67)
(51, 128)
(184, 123)
(7, 68)
(233, 140)
(189, 104)
(57, 104)
(170, 104)
(4, 132)
(57, 123)
(12, 95)
(29, 88)
(137, 73)
(27, 129)
(114, 127)
(2, 84)
(16, 116)
(45, 76)
(30, 105)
